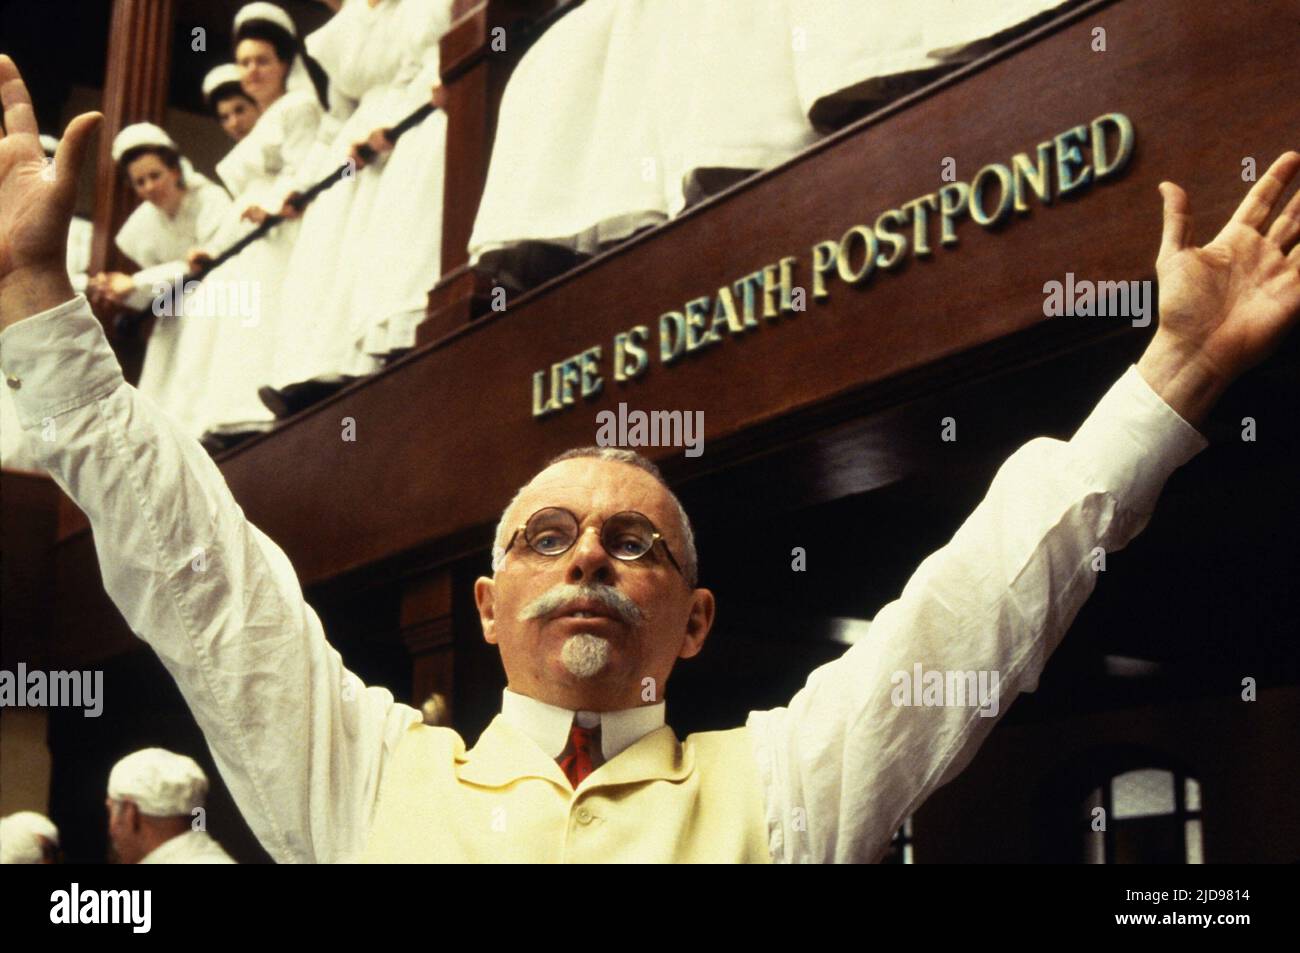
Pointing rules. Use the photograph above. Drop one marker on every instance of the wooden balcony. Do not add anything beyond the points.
(801, 407)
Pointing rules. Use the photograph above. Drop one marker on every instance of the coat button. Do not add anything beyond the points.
(584, 816)
(13, 382)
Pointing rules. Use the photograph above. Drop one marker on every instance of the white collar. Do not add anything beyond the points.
(549, 725)
(180, 846)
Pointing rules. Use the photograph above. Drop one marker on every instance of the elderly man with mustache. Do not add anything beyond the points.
(594, 595)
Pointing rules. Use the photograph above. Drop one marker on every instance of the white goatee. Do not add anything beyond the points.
(584, 655)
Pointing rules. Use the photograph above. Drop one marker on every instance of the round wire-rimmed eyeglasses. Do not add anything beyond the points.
(627, 536)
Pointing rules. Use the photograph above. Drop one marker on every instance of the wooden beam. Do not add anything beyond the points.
(135, 90)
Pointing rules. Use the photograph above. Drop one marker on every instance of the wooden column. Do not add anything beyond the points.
(135, 90)
(475, 76)
(426, 629)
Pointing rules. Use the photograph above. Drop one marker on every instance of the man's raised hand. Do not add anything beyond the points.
(35, 206)
(1224, 307)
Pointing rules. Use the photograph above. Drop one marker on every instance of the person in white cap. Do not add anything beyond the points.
(241, 296)
(363, 265)
(180, 210)
(28, 838)
(155, 811)
(224, 94)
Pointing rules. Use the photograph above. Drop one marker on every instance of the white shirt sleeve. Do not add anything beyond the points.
(298, 739)
(299, 147)
(843, 765)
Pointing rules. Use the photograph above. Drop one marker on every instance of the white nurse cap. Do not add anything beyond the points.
(140, 134)
(265, 11)
(219, 76)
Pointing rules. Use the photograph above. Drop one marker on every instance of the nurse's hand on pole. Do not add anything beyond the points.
(255, 214)
(377, 141)
(1226, 306)
(196, 258)
(97, 289)
(439, 96)
(35, 203)
(120, 286)
(288, 208)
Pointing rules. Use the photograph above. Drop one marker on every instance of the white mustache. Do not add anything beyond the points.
(627, 611)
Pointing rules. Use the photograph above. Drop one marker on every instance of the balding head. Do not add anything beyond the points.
(583, 629)
(513, 517)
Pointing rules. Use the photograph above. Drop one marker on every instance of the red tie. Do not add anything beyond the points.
(577, 763)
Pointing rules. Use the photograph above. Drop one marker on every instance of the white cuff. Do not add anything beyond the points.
(56, 361)
(1133, 441)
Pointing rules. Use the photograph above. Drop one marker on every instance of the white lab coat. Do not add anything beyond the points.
(158, 243)
(610, 116)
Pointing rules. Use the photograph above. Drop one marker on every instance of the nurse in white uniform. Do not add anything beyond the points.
(399, 252)
(241, 299)
(180, 210)
(371, 245)
(360, 48)
(626, 111)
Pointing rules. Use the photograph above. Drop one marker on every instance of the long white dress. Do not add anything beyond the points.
(398, 253)
(159, 242)
(240, 302)
(612, 114)
(361, 50)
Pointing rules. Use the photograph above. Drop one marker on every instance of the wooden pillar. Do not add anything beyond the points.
(426, 629)
(474, 71)
(135, 90)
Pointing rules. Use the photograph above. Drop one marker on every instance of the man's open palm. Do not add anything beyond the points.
(1231, 302)
(36, 199)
